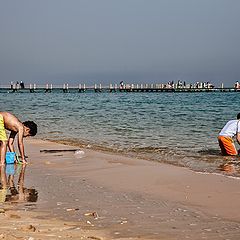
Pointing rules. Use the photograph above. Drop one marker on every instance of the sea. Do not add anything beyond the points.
(176, 128)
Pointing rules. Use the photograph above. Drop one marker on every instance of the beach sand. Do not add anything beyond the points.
(99, 195)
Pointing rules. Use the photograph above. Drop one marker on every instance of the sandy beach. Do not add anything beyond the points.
(99, 195)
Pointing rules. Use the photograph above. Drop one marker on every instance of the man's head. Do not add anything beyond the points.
(238, 116)
(30, 128)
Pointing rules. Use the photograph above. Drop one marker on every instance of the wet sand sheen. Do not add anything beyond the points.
(109, 196)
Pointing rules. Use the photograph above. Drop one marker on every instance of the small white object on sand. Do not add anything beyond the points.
(79, 154)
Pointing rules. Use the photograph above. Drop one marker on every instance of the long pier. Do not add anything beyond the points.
(81, 88)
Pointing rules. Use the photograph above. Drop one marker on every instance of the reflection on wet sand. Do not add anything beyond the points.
(230, 167)
(8, 190)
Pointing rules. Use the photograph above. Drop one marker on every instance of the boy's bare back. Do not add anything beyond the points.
(11, 123)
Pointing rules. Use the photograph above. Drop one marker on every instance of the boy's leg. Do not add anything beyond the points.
(224, 153)
(3, 150)
(227, 146)
(3, 141)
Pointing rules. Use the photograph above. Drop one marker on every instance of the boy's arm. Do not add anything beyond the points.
(20, 144)
(238, 137)
(11, 141)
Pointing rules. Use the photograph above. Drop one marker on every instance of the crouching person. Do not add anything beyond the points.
(17, 128)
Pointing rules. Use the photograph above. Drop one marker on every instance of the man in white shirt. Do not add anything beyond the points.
(225, 137)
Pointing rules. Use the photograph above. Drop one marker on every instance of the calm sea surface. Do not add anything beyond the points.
(176, 128)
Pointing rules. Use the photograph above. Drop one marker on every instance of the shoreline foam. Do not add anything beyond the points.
(215, 169)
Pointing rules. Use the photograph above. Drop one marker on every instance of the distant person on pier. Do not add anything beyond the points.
(22, 85)
(121, 85)
(237, 85)
(11, 123)
(226, 135)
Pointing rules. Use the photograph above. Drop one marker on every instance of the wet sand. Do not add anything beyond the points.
(104, 196)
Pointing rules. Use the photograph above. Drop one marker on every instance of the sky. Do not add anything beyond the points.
(106, 41)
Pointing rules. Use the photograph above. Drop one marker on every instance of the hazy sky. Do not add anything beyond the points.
(106, 41)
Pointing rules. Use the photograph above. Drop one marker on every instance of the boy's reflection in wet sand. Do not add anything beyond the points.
(9, 192)
(231, 166)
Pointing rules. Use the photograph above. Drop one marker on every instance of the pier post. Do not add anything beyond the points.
(131, 87)
(65, 87)
(137, 88)
(110, 87)
(222, 88)
(31, 88)
(47, 89)
(96, 89)
(81, 88)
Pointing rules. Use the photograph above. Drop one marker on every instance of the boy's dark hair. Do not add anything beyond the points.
(238, 116)
(32, 126)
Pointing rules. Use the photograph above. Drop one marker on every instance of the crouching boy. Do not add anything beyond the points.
(17, 128)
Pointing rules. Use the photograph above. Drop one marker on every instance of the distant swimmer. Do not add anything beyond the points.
(226, 135)
(16, 127)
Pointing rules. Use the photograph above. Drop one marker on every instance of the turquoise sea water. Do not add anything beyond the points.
(176, 128)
